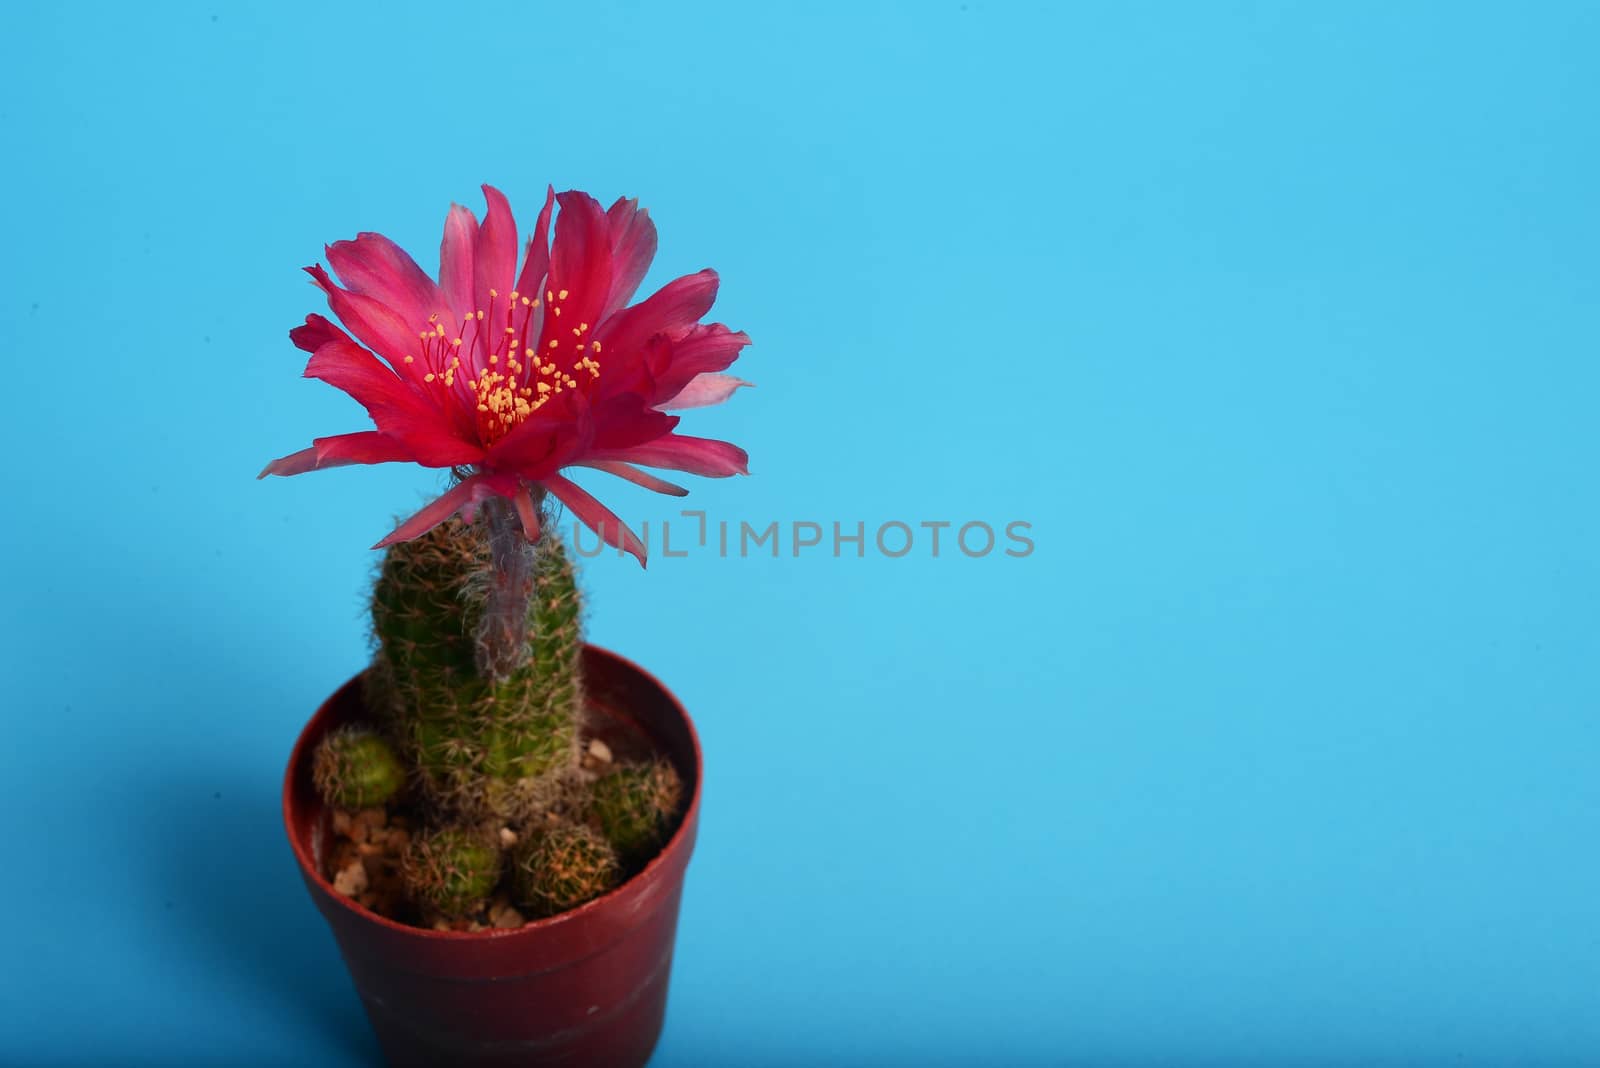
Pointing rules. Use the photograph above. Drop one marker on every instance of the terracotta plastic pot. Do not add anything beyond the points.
(587, 987)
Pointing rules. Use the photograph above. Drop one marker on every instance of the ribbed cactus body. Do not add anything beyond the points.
(561, 868)
(635, 806)
(356, 768)
(451, 871)
(482, 747)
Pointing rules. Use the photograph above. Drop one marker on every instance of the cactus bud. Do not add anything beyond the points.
(635, 805)
(355, 768)
(451, 870)
(561, 868)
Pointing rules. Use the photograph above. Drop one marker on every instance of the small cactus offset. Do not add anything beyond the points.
(560, 868)
(356, 768)
(451, 871)
(635, 806)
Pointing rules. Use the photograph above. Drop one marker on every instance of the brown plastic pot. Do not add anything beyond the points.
(587, 987)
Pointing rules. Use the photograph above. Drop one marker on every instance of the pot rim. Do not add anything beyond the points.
(533, 928)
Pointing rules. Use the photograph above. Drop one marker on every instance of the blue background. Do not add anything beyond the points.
(1277, 322)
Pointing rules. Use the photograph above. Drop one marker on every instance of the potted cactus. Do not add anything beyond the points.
(494, 817)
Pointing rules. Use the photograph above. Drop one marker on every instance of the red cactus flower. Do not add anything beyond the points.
(508, 377)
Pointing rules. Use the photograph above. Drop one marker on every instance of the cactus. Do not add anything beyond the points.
(355, 768)
(476, 694)
(485, 746)
(561, 867)
(452, 870)
(634, 806)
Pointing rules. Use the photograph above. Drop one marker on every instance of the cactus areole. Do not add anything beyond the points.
(494, 817)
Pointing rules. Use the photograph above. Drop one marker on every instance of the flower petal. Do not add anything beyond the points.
(580, 267)
(704, 348)
(466, 493)
(495, 258)
(316, 332)
(633, 246)
(395, 407)
(703, 391)
(678, 452)
(676, 306)
(361, 447)
(528, 513)
(547, 441)
(456, 261)
(596, 516)
(373, 322)
(376, 267)
(625, 421)
(637, 477)
(536, 265)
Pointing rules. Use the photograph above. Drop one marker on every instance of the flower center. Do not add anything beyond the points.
(506, 378)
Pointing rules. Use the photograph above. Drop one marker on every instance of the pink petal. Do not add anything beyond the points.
(678, 452)
(374, 323)
(596, 516)
(704, 348)
(580, 266)
(537, 263)
(456, 261)
(495, 261)
(637, 477)
(528, 514)
(376, 267)
(467, 493)
(676, 306)
(362, 447)
(633, 246)
(316, 332)
(545, 442)
(625, 421)
(703, 391)
(395, 407)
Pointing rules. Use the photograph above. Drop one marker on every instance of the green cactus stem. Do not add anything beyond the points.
(560, 868)
(451, 871)
(485, 745)
(354, 768)
(635, 806)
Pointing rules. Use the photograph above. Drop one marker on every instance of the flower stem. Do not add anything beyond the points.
(503, 629)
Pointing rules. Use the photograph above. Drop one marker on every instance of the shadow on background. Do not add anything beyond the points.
(235, 908)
